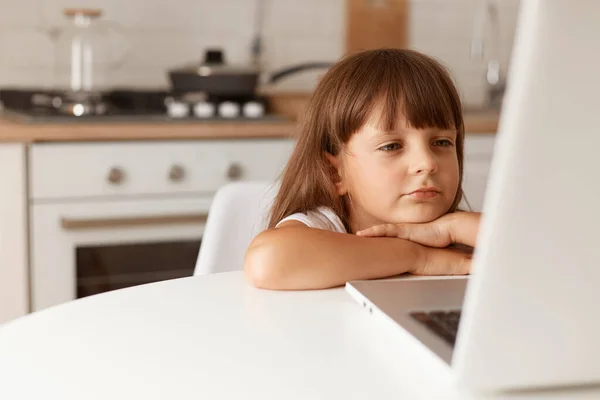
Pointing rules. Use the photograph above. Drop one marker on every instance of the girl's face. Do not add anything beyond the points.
(406, 175)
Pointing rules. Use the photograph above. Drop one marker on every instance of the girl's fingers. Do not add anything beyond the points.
(428, 234)
(390, 230)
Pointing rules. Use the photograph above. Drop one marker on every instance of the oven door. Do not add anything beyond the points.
(84, 248)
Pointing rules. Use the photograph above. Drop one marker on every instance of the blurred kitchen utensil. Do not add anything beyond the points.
(85, 53)
(215, 77)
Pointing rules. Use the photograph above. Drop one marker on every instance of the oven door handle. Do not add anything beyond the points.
(70, 224)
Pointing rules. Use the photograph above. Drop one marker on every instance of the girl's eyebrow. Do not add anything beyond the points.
(388, 132)
(441, 131)
(384, 134)
(391, 133)
(450, 132)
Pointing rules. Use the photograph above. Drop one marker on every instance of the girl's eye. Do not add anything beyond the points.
(443, 143)
(390, 147)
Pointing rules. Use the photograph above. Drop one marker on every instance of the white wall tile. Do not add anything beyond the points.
(225, 16)
(303, 18)
(22, 47)
(29, 77)
(140, 78)
(332, 16)
(163, 49)
(19, 13)
(286, 51)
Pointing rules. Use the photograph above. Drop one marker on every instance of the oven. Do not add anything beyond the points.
(106, 216)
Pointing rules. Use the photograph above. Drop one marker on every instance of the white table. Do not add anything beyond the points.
(215, 337)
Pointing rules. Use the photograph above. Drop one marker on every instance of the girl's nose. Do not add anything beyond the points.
(423, 162)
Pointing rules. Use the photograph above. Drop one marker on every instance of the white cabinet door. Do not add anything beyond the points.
(13, 233)
(478, 158)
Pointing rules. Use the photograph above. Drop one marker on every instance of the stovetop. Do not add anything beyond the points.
(130, 105)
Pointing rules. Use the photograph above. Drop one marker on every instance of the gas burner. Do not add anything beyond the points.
(121, 105)
(71, 104)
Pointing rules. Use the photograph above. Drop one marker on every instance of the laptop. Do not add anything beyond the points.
(527, 317)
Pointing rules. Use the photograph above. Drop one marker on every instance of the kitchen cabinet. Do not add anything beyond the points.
(13, 232)
(106, 216)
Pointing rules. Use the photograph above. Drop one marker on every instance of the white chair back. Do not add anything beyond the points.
(239, 212)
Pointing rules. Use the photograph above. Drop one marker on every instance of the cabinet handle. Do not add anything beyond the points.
(235, 171)
(116, 176)
(68, 223)
(176, 173)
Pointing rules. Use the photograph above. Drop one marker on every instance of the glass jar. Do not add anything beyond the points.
(86, 50)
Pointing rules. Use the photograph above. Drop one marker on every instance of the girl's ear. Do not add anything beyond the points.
(337, 173)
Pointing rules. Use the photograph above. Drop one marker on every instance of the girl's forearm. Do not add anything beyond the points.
(307, 258)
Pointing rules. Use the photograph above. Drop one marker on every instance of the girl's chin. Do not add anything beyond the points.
(418, 215)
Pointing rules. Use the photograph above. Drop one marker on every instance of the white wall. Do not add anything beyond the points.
(166, 33)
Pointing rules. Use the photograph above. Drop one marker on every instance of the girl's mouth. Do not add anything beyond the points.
(424, 193)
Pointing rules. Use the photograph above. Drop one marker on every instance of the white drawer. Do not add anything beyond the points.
(67, 170)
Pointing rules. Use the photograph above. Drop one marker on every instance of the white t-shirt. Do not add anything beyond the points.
(320, 218)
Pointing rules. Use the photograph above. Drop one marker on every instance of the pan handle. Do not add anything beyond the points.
(297, 68)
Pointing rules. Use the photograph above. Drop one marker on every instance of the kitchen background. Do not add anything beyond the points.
(164, 34)
(92, 203)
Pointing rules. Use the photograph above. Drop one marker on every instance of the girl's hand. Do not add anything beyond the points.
(433, 234)
(455, 228)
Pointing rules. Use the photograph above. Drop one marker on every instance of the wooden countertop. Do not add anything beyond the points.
(10, 131)
(481, 121)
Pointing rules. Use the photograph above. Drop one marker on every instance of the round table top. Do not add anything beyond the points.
(212, 337)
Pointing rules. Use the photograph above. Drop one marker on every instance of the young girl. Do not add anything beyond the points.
(373, 185)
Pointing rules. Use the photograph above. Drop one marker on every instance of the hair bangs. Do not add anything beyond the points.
(426, 100)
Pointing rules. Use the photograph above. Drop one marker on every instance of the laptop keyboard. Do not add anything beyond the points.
(442, 323)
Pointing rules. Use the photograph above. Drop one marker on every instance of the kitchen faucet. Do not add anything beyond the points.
(487, 14)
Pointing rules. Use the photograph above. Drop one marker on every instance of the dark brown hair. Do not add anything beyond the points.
(392, 80)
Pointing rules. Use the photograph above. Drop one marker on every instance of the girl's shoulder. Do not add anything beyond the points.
(320, 218)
